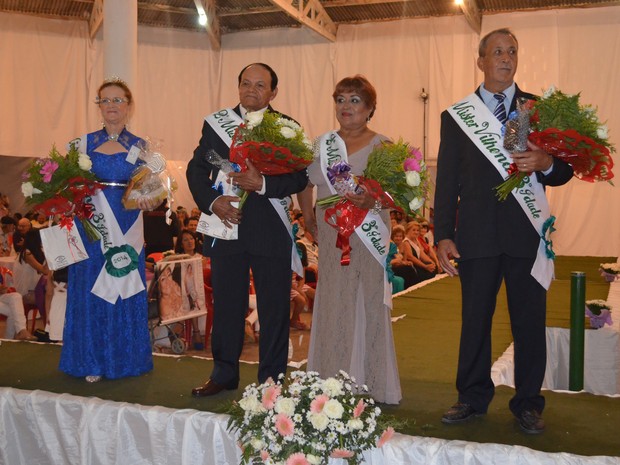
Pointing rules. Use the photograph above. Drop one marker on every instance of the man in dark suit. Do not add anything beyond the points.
(264, 244)
(495, 240)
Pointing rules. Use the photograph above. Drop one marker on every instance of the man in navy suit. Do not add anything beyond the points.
(264, 243)
(495, 240)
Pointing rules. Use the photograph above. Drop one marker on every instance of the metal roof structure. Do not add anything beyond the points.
(323, 16)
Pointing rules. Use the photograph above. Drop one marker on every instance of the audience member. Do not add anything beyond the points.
(6, 236)
(41, 221)
(400, 265)
(413, 252)
(159, 236)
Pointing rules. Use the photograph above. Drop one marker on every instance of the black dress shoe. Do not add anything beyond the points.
(211, 388)
(531, 422)
(460, 413)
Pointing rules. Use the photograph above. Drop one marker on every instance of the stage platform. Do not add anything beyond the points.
(48, 417)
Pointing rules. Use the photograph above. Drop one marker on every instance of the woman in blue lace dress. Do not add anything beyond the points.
(106, 328)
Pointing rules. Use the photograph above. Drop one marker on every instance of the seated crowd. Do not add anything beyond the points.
(31, 283)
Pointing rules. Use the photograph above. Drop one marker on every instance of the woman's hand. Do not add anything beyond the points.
(363, 200)
(148, 204)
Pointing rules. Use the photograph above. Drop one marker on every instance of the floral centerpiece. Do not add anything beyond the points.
(306, 420)
(599, 313)
(610, 271)
(59, 185)
(564, 128)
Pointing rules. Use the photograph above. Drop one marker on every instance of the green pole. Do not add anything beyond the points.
(577, 331)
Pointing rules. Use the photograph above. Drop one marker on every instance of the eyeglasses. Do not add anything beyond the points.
(108, 101)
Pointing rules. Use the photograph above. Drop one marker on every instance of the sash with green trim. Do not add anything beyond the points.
(225, 123)
(373, 232)
(485, 131)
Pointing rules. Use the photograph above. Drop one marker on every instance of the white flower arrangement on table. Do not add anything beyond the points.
(610, 271)
(305, 420)
(599, 313)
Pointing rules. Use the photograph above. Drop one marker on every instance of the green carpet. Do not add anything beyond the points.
(427, 348)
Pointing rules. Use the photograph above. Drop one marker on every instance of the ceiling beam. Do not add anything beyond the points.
(213, 23)
(472, 14)
(336, 3)
(96, 18)
(310, 13)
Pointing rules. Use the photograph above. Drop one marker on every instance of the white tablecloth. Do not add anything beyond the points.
(601, 356)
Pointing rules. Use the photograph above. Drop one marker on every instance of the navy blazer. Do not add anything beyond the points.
(485, 227)
(261, 231)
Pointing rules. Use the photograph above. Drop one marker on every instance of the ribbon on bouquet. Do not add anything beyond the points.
(120, 275)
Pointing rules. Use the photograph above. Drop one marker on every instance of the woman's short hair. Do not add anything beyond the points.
(397, 229)
(361, 86)
(118, 82)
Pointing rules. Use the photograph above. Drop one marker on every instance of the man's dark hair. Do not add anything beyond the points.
(274, 76)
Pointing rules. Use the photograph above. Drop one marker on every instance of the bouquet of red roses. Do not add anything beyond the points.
(273, 143)
(563, 128)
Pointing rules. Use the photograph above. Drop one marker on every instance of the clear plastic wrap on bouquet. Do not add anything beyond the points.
(149, 181)
(517, 127)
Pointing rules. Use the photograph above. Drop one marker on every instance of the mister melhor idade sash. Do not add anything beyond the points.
(485, 131)
(225, 123)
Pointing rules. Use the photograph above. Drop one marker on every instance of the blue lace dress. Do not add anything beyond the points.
(109, 340)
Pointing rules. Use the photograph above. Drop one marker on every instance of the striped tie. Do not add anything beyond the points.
(500, 110)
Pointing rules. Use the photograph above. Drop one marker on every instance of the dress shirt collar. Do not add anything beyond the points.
(491, 102)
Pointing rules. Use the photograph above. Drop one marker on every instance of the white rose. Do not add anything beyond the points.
(416, 203)
(413, 178)
(286, 406)
(84, 162)
(549, 91)
(333, 409)
(289, 123)
(253, 118)
(319, 421)
(332, 387)
(287, 132)
(313, 459)
(28, 189)
(355, 423)
(602, 132)
(257, 444)
(251, 404)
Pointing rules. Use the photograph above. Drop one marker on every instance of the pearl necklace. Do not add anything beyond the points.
(113, 137)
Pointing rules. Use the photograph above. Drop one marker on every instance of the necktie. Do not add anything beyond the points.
(500, 110)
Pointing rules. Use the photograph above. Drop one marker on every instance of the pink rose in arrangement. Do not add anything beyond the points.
(411, 164)
(48, 169)
(284, 425)
(297, 459)
(359, 409)
(386, 436)
(316, 406)
(270, 396)
(264, 455)
(341, 454)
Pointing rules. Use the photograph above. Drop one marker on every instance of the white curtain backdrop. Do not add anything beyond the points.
(51, 70)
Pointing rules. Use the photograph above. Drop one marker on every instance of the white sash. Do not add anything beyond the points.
(373, 232)
(119, 275)
(484, 130)
(225, 123)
